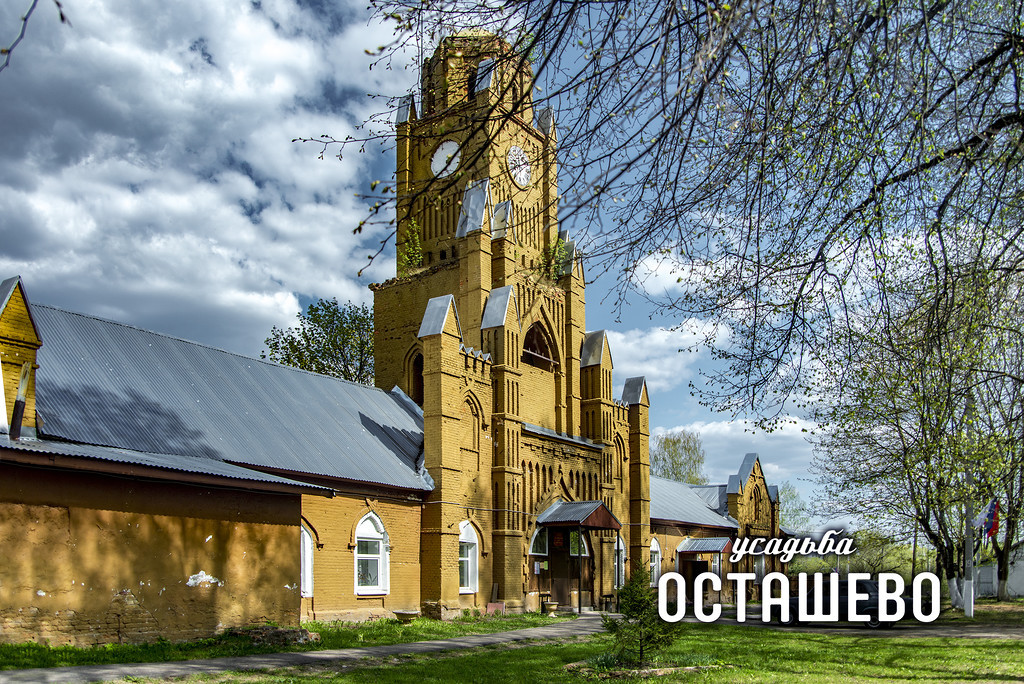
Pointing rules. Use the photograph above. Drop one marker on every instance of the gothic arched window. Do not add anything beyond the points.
(537, 348)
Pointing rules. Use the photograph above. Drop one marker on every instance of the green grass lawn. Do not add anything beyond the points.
(759, 655)
(332, 635)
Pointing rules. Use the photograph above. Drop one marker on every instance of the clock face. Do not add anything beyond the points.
(518, 166)
(445, 159)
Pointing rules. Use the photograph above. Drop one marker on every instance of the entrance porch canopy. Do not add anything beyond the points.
(592, 515)
(705, 545)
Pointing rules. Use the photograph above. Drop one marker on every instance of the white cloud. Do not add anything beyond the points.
(785, 454)
(667, 357)
(147, 172)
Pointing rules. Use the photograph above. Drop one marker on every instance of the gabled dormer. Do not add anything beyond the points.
(19, 342)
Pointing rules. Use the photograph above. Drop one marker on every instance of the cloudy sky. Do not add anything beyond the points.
(147, 175)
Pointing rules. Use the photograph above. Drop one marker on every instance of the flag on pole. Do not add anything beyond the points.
(988, 519)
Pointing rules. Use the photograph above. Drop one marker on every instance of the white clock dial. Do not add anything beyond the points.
(445, 159)
(518, 166)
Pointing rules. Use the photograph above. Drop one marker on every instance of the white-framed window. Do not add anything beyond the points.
(469, 552)
(576, 548)
(539, 543)
(372, 556)
(655, 561)
(305, 562)
(716, 564)
(620, 562)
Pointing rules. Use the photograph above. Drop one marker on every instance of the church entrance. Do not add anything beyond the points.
(564, 536)
(572, 567)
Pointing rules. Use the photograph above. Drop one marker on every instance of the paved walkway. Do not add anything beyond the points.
(589, 623)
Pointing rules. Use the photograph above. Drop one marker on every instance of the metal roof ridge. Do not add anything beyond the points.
(167, 336)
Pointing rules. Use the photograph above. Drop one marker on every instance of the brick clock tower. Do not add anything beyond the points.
(541, 483)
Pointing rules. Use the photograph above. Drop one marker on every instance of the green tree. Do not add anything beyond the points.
(330, 339)
(776, 156)
(793, 511)
(640, 633)
(679, 456)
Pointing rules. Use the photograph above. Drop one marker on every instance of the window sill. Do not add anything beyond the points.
(466, 590)
(373, 593)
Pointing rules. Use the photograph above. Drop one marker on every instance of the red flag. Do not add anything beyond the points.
(992, 519)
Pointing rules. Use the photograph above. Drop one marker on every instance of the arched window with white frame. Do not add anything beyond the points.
(469, 553)
(372, 556)
(655, 561)
(620, 563)
(305, 562)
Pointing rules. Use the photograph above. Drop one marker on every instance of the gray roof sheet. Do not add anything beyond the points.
(633, 390)
(548, 432)
(111, 384)
(746, 468)
(573, 512)
(703, 544)
(185, 464)
(496, 309)
(678, 502)
(593, 349)
(503, 221)
(474, 204)
(714, 496)
(436, 315)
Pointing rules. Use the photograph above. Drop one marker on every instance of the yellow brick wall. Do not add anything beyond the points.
(90, 559)
(332, 523)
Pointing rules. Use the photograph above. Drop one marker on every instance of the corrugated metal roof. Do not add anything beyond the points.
(714, 496)
(547, 432)
(185, 464)
(703, 545)
(678, 502)
(110, 384)
(582, 513)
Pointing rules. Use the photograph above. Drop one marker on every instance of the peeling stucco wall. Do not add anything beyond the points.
(91, 559)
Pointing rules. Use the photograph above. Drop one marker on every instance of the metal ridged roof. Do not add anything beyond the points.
(474, 204)
(577, 513)
(436, 316)
(592, 352)
(496, 309)
(633, 390)
(703, 545)
(186, 464)
(714, 496)
(110, 384)
(678, 502)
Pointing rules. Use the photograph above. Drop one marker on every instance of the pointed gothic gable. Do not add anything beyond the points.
(595, 350)
(501, 310)
(19, 341)
(474, 206)
(502, 222)
(634, 391)
(440, 316)
(16, 321)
